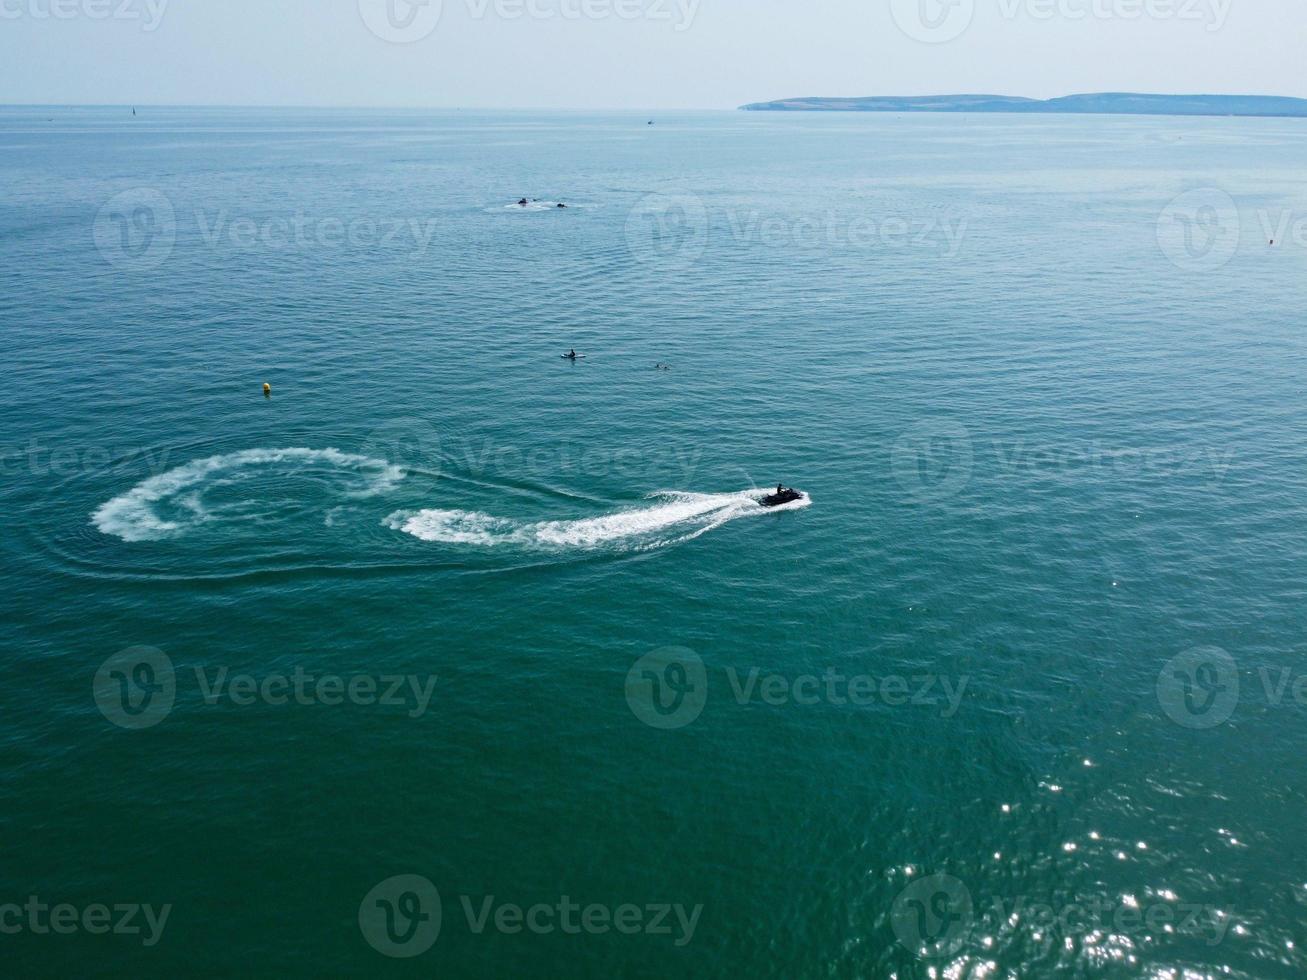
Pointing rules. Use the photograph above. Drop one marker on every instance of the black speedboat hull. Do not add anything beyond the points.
(784, 497)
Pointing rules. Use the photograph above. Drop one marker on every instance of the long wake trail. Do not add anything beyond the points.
(675, 517)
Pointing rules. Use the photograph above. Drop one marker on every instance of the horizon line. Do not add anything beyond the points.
(293, 105)
(632, 109)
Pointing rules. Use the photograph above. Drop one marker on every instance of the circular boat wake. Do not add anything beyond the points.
(254, 486)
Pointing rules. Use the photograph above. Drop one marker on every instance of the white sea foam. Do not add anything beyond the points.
(172, 503)
(676, 517)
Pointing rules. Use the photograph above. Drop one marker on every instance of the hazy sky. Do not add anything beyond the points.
(636, 53)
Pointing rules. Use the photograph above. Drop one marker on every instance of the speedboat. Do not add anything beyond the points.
(783, 495)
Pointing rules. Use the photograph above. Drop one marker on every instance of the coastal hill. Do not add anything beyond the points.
(1101, 103)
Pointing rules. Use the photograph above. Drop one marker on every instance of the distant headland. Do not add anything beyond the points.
(1125, 103)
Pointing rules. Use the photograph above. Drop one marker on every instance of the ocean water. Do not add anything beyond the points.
(1014, 692)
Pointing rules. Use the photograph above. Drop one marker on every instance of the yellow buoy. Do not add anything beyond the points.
(267, 391)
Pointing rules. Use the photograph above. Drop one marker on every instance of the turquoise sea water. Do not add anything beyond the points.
(1016, 694)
